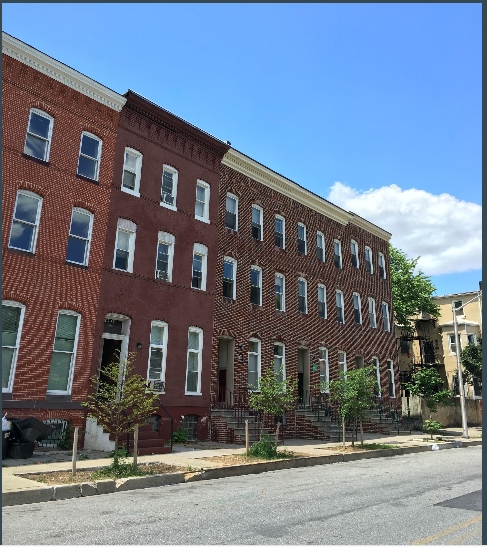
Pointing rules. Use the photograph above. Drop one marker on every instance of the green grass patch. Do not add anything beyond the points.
(377, 446)
(121, 471)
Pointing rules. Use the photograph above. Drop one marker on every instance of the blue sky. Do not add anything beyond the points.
(376, 107)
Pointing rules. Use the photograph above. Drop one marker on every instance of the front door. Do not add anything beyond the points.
(110, 354)
(222, 384)
(300, 387)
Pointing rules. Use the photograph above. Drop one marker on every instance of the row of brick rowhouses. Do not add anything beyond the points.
(127, 229)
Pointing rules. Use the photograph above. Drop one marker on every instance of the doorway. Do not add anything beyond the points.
(226, 348)
(304, 396)
(114, 344)
(110, 353)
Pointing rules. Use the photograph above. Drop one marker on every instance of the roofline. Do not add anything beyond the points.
(456, 294)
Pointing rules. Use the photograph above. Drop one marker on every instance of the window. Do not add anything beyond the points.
(302, 296)
(193, 371)
(458, 304)
(89, 156)
(357, 309)
(279, 231)
(256, 285)
(279, 294)
(382, 266)
(12, 320)
(342, 362)
(472, 339)
(390, 372)
(124, 245)
(372, 318)
(320, 246)
(301, 238)
(254, 364)
(200, 254)
(337, 257)
(231, 215)
(477, 387)
(202, 205)
(64, 352)
(229, 277)
(322, 301)
(354, 251)
(165, 256)
(385, 317)
(368, 260)
(451, 343)
(25, 223)
(375, 366)
(169, 187)
(132, 166)
(324, 370)
(257, 215)
(339, 307)
(279, 361)
(189, 424)
(38, 137)
(79, 240)
(157, 355)
(404, 346)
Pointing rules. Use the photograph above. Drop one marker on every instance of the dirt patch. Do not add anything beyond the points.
(241, 459)
(350, 448)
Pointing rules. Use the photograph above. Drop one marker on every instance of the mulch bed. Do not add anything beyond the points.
(241, 459)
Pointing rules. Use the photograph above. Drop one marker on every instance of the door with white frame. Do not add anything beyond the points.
(114, 343)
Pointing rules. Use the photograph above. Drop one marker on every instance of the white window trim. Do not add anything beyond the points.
(376, 366)
(164, 352)
(384, 316)
(234, 262)
(13, 366)
(344, 361)
(305, 238)
(305, 294)
(283, 291)
(323, 244)
(355, 244)
(37, 222)
(138, 172)
(327, 367)
(453, 306)
(166, 239)
(381, 256)
(320, 286)
(200, 250)
(73, 356)
(259, 208)
(280, 217)
(339, 252)
(130, 228)
(98, 160)
(342, 305)
(258, 363)
(174, 172)
(257, 269)
(88, 240)
(390, 368)
(49, 138)
(359, 306)
(283, 362)
(371, 260)
(450, 343)
(200, 361)
(206, 212)
(374, 313)
(232, 196)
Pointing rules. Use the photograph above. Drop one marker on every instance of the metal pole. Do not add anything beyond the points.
(75, 451)
(460, 376)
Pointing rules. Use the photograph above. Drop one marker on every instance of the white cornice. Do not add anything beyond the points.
(60, 72)
(247, 166)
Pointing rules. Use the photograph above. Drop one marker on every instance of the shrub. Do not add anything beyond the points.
(265, 449)
(180, 436)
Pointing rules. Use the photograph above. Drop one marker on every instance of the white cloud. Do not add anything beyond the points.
(445, 231)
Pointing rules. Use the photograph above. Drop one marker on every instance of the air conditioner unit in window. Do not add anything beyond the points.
(162, 275)
(156, 385)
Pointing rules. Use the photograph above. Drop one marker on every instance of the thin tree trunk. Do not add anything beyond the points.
(136, 442)
(361, 433)
(343, 429)
(115, 453)
(354, 430)
(277, 433)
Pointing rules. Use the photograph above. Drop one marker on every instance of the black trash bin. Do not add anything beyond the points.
(30, 430)
(20, 451)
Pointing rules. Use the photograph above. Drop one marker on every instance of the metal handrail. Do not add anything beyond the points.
(170, 417)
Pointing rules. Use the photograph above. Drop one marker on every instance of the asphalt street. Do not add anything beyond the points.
(424, 498)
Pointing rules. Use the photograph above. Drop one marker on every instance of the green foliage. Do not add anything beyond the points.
(121, 453)
(471, 358)
(66, 440)
(426, 383)
(411, 292)
(180, 436)
(265, 448)
(83, 456)
(119, 470)
(430, 426)
(274, 397)
(378, 446)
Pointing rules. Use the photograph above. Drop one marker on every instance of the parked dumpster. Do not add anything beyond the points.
(24, 433)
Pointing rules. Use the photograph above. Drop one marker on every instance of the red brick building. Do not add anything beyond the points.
(59, 134)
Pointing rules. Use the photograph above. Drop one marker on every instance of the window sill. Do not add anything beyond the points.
(280, 312)
(229, 300)
(303, 312)
(194, 394)
(160, 279)
(256, 306)
(74, 264)
(87, 179)
(20, 251)
(7, 395)
(198, 290)
(37, 160)
(231, 231)
(122, 271)
(58, 397)
(279, 248)
(130, 192)
(201, 219)
(167, 206)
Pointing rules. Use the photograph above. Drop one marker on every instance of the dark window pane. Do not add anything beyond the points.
(21, 236)
(231, 220)
(356, 315)
(301, 246)
(128, 180)
(113, 326)
(87, 167)
(228, 270)
(256, 231)
(255, 295)
(39, 125)
(302, 304)
(10, 324)
(196, 280)
(122, 260)
(319, 254)
(279, 240)
(155, 366)
(339, 315)
(321, 309)
(228, 289)
(89, 146)
(80, 225)
(76, 250)
(26, 208)
(354, 261)
(382, 272)
(35, 147)
(337, 261)
(7, 357)
(368, 266)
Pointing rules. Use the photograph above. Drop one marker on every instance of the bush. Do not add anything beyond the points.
(430, 426)
(180, 436)
(265, 449)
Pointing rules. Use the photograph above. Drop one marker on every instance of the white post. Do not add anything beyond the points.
(136, 442)
(460, 375)
(247, 438)
(75, 450)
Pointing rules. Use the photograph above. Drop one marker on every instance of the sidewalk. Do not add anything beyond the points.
(315, 452)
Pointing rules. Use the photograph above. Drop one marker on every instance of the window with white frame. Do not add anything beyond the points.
(382, 266)
(279, 232)
(254, 364)
(202, 205)
(368, 260)
(279, 361)
(12, 321)
(257, 216)
(39, 134)
(229, 277)
(451, 343)
(324, 370)
(132, 168)
(357, 309)
(354, 251)
(25, 222)
(156, 372)
(337, 253)
(339, 307)
(302, 295)
(79, 240)
(195, 352)
(165, 256)
(342, 362)
(372, 316)
(123, 258)
(200, 259)
(320, 246)
(64, 352)
(231, 213)
(169, 187)
(256, 285)
(472, 339)
(89, 156)
(458, 304)
(375, 366)
(280, 292)
(385, 317)
(390, 373)
(322, 301)
(301, 238)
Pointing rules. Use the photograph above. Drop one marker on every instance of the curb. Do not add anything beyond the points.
(108, 486)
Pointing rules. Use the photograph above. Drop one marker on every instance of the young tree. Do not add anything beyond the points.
(426, 383)
(471, 358)
(411, 292)
(120, 401)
